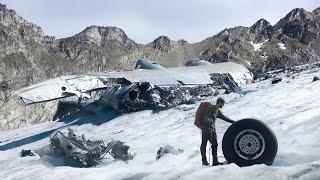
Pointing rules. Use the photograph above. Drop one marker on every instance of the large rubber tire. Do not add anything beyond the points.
(248, 142)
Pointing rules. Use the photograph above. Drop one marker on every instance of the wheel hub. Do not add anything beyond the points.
(249, 144)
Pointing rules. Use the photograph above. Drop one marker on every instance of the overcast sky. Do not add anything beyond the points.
(145, 20)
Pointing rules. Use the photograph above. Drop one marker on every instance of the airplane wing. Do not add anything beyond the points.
(192, 75)
(61, 87)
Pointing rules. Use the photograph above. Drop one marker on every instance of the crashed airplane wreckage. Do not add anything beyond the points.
(150, 86)
(86, 152)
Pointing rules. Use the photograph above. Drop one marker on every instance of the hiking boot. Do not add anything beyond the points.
(217, 163)
(205, 163)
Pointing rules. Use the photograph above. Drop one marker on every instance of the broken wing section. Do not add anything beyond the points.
(191, 75)
(61, 87)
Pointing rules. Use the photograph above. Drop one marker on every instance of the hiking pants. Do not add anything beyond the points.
(212, 137)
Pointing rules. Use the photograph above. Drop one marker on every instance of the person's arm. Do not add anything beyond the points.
(223, 117)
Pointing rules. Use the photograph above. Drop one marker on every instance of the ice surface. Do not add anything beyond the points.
(290, 108)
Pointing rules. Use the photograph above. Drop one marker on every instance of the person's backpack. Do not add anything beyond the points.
(200, 113)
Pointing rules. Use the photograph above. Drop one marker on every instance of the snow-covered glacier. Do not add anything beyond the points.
(291, 108)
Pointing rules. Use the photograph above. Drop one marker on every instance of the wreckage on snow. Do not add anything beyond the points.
(87, 152)
(148, 87)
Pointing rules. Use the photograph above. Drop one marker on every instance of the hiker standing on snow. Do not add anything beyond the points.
(209, 131)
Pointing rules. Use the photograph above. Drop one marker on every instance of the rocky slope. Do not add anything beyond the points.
(28, 56)
(293, 40)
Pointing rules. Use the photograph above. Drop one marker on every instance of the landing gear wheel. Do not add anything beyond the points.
(248, 142)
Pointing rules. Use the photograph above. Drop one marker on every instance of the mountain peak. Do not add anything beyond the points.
(9, 17)
(260, 25)
(102, 31)
(317, 11)
(298, 14)
(162, 43)
(163, 39)
(299, 24)
(97, 34)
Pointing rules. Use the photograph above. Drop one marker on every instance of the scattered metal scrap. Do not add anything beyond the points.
(87, 152)
(315, 78)
(288, 71)
(224, 81)
(276, 80)
(120, 151)
(25, 153)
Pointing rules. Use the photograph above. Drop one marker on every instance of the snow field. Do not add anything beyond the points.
(291, 108)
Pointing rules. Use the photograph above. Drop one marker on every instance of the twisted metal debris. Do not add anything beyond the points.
(87, 153)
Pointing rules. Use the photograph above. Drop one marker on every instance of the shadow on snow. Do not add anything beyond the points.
(70, 117)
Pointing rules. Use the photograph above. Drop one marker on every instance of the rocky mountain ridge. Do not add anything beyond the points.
(28, 56)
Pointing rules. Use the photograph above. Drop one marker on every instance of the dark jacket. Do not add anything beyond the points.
(211, 114)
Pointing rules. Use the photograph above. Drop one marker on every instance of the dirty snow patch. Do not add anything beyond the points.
(282, 46)
(256, 47)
